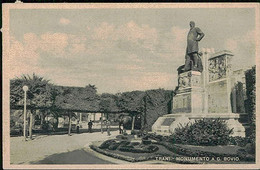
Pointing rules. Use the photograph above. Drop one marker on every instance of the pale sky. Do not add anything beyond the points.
(122, 50)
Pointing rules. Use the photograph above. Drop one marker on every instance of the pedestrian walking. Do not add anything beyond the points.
(90, 124)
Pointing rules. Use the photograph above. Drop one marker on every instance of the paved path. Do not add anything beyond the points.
(22, 152)
(79, 156)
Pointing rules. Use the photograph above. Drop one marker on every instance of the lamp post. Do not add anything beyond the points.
(25, 89)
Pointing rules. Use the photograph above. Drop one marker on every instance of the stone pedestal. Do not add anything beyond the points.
(188, 98)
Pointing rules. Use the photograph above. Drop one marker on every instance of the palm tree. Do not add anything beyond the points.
(38, 95)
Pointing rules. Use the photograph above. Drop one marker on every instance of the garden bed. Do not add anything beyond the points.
(167, 151)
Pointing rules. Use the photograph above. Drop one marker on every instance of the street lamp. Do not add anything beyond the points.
(25, 89)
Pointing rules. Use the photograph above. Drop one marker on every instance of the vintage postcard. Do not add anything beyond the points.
(130, 86)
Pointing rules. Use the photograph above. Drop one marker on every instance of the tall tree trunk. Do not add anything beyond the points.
(102, 123)
(143, 118)
(133, 123)
(55, 125)
(41, 119)
(31, 123)
(25, 118)
(80, 117)
(69, 131)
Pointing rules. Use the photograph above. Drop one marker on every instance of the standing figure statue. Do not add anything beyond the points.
(194, 36)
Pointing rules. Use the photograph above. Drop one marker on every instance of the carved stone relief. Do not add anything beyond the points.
(187, 80)
(217, 68)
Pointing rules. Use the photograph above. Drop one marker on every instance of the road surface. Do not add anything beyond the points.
(79, 156)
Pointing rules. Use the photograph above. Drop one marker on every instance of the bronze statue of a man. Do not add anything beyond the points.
(194, 36)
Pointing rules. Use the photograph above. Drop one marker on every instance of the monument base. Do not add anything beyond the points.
(165, 125)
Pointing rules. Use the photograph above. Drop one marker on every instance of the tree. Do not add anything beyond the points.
(38, 95)
(157, 103)
(251, 98)
(77, 99)
(132, 103)
(107, 104)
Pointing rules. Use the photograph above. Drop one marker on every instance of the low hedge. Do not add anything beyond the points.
(114, 146)
(122, 157)
(141, 149)
(146, 142)
(107, 143)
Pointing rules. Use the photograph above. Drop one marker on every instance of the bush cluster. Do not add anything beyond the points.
(139, 148)
(239, 141)
(122, 157)
(246, 142)
(203, 132)
(127, 146)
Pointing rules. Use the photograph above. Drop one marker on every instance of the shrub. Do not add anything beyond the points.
(139, 149)
(123, 157)
(45, 126)
(134, 143)
(238, 140)
(113, 146)
(250, 148)
(146, 142)
(251, 98)
(203, 132)
(106, 144)
(124, 143)
(121, 137)
(152, 148)
(126, 148)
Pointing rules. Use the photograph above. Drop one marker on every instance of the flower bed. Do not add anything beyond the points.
(134, 150)
(122, 156)
(137, 157)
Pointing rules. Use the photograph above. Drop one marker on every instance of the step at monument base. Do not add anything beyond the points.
(165, 125)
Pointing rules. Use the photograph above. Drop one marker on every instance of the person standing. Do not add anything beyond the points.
(194, 36)
(108, 127)
(90, 124)
(120, 127)
(78, 126)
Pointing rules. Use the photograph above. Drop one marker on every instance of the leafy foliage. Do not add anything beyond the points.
(39, 93)
(128, 146)
(251, 99)
(203, 132)
(239, 141)
(108, 103)
(251, 106)
(131, 102)
(147, 106)
(77, 98)
(157, 103)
